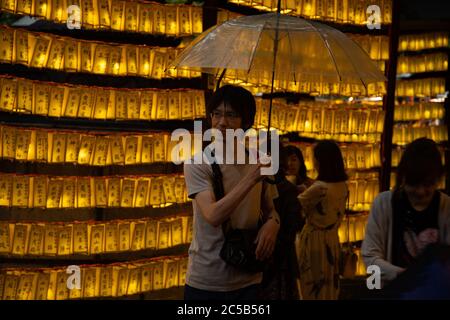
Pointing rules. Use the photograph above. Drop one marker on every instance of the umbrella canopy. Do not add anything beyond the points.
(308, 54)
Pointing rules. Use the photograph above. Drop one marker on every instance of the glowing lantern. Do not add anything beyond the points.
(185, 20)
(21, 46)
(197, 20)
(101, 59)
(131, 16)
(104, 13)
(41, 8)
(68, 193)
(144, 61)
(39, 56)
(117, 15)
(159, 24)
(145, 18)
(127, 193)
(171, 21)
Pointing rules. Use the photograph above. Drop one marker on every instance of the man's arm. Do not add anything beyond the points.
(217, 212)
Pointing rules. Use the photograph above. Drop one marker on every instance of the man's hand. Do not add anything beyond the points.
(254, 174)
(266, 239)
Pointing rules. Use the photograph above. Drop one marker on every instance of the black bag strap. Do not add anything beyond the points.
(219, 191)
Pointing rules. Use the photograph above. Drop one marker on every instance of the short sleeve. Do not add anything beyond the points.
(198, 178)
(312, 196)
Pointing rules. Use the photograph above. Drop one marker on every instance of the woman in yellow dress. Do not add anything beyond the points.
(323, 205)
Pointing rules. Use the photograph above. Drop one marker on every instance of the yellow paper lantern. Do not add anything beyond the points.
(97, 238)
(117, 15)
(131, 10)
(8, 94)
(86, 149)
(124, 236)
(99, 17)
(40, 52)
(56, 101)
(185, 20)
(8, 142)
(36, 242)
(21, 47)
(101, 59)
(171, 21)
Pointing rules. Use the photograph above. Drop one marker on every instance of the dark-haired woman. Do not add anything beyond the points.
(296, 168)
(323, 205)
(280, 276)
(406, 220)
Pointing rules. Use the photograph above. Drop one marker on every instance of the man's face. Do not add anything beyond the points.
(224, 117)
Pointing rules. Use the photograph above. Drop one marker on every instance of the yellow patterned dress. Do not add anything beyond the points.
(323, 205)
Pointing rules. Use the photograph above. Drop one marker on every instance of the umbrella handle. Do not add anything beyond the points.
(220, 78)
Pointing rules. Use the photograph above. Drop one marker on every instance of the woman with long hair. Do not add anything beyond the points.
(296, 168)
(323, 206)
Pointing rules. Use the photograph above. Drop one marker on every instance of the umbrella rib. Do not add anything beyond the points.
(254, 49)
(354, 67)
(226, 56)
(331, 55)
(290, 45)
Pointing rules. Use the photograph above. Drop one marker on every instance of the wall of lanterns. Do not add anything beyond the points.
(43, 50)
(405, 133)
(339, 11)
(56, 100)
(422, 117)
(423, 63)
(261, 82)
(118, 15)
(338, 121)
(109, 280)
(76, 147)
(428, 87)
(352, 228)
(377, 47)
(78, 196)
(418, 42)
(419, 111)
(40, 191)
(93, 237)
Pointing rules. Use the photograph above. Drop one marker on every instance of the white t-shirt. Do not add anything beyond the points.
(206, 270)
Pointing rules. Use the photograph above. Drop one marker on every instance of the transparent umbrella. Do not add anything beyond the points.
(282, 52)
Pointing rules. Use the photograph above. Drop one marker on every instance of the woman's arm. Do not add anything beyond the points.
(373, 248)
(311, 197)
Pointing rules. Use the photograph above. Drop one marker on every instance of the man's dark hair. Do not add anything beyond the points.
(239, 99)
(331, 164)
(420, 163)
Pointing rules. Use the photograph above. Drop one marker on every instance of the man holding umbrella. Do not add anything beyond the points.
(245, 197)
